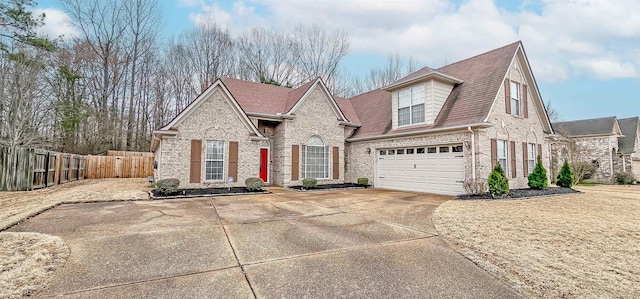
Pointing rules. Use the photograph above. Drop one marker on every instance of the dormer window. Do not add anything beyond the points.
(411, 105)
(515, 99)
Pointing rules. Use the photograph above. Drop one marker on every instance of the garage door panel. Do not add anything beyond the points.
(429, 172)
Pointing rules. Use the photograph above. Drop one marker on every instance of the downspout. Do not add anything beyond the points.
(473, 153)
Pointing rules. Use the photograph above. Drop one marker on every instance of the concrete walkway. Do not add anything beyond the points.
(355, 243)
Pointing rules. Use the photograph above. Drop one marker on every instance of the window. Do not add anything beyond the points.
(214, 160)
(391, 152)
(410, 151)
(502, 154)
(431, 150)
(515, 98)
(411, 105)
(457, 149)
(444, 149)
(400, 151)
(420, 150)
(315, 159)
(383, 152)
(531, 156)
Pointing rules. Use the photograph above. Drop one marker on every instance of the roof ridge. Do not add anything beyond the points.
(587, 119)
(475, 56)
(258, 83)
(370, 91)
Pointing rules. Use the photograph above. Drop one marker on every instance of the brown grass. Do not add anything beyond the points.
(583, 245)
(26, 260)
(16, 206)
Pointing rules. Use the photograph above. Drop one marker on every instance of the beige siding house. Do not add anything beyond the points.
(427, 132)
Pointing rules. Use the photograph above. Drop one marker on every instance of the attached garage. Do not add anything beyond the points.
(431, 169)
(636, 169)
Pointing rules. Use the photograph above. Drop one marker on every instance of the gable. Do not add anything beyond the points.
(319, 85)
(217, 86)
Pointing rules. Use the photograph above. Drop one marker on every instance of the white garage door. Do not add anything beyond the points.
(636, 169)
(432, 169)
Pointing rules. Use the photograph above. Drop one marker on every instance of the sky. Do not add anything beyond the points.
(585, 55)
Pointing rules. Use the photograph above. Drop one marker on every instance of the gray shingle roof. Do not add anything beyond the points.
(586, 127)
(629, 128)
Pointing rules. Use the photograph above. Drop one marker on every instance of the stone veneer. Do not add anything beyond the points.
(600, 149)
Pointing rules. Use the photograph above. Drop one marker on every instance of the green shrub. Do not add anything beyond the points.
(498, 182)
(254, 184)
(624, 178)
(363, 181)
(309, 183)
(168, 186)
(538, 177)
(565, 178)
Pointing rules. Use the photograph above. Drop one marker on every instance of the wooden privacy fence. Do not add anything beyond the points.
(27, 169)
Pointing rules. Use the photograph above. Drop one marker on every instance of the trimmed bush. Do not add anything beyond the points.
(538, 177)
(363, 181)
(498, 182)
(624, 178)
(565, 178)
(475, 187)
(168, 186)
(254, 184)
(309, 183)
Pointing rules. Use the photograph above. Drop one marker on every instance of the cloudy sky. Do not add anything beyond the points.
(584, 54)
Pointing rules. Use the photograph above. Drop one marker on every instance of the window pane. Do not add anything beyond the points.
(420, 150)
(404, 116)
(431, 150)
(503, 163)
(409, 151)
(532, 165)
(214, 160)
(383, 152)
(391, 152)
(515, 107)
(502, 149)
(417, 114)
(404, 98)
(457, 149)
(444, 149)
(417, 94)
(515, 90)
(316, 162)
(400, 151)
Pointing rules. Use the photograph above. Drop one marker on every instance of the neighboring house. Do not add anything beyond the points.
(427, 132)
(611, 144)
(629, 146)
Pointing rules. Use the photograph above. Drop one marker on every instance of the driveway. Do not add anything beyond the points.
(355, 243)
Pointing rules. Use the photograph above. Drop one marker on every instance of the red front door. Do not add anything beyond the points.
(264, 161)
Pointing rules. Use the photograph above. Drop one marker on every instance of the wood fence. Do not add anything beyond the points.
(28, 169)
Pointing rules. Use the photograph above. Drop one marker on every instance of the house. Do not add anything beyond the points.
(427, 132)
(611, 144)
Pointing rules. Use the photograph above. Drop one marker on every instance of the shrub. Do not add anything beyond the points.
(582, 171)
(624, 178)
(168, 186)
(538, 177)
(309, 183)
(565, 178)
(254, 184)
(363, 181)
(475, 187)
(498, 182)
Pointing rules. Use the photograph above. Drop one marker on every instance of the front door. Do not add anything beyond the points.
(264, 162)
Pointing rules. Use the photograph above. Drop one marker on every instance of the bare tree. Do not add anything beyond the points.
(554, 115)
(395, 69)
(266, 55)
(319, 53)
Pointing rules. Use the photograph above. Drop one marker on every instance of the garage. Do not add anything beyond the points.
(431, 169)
(636, 169)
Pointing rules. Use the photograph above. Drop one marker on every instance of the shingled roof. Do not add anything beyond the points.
(629, 128)
(468, 103)
(587, 127)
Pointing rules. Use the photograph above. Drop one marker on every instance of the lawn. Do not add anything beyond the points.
(584, 245)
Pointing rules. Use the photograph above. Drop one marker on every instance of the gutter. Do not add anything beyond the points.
(349, 124)
(426, 131)
(473, 153)
(273, 117)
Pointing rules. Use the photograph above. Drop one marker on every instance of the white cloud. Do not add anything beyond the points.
(562, 38)
(56, 23)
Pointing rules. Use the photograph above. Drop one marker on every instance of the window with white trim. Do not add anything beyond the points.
(531, 156)
(315, 159)
(502, 154)
(411, 105)
(515, 98)
(214, 160)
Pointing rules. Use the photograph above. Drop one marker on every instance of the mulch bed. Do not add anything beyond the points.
(204, 192)
(330, 187)
(523, 193)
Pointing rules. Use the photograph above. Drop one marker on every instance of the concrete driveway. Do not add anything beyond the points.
(354, 243)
